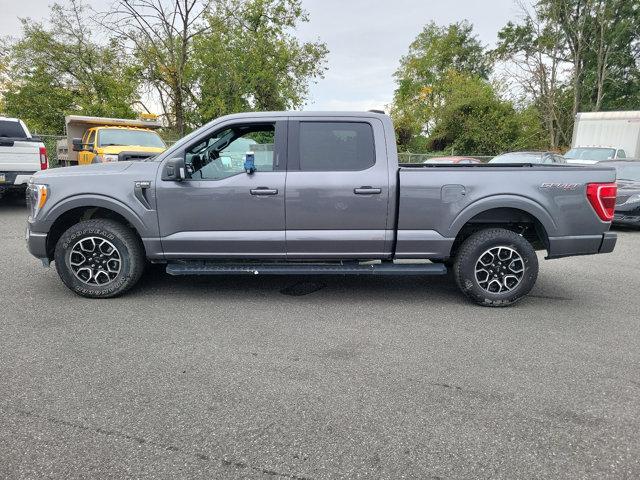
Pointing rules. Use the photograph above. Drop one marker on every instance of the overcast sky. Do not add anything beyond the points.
(366, 39)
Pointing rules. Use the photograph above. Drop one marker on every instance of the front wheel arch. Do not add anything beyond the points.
(79, 214)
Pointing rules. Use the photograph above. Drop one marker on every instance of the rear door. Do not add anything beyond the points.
(337, 189)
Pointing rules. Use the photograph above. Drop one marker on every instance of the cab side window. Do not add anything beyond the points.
(222, 154)
(336, 146)
(621, 154)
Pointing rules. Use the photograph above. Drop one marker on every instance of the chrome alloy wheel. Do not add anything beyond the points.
(95, 261)
(499, 270)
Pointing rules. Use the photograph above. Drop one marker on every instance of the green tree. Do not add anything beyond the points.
(432, 55)
(612, 61)
(533, 56)
(473, 120)
(249, 60)
(574, 55)
(161, 35)
(61, 69)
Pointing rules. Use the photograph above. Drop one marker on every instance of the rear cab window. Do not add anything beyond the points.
(335, 146)
(11, 129)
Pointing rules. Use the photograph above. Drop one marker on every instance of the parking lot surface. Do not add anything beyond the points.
(301, 378)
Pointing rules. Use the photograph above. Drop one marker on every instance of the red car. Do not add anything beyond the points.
(452, 160)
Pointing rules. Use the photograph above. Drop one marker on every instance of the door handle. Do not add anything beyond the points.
(263, 191)
(366, 190)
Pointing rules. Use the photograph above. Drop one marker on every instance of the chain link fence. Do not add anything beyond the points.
(50, 141)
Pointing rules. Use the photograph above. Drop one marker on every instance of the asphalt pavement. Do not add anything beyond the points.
(319, 377)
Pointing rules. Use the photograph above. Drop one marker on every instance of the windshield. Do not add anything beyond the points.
(517, 158)
(119, 136)
(591, 153)
(628, 172)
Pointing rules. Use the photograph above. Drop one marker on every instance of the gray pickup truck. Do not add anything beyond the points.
(314, 193)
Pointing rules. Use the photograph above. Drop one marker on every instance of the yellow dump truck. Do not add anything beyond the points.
(99, 140)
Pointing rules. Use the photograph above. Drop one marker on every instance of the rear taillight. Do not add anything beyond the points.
(602, 197)
(44, 161)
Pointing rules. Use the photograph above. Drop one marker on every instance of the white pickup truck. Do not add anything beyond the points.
(21, 155)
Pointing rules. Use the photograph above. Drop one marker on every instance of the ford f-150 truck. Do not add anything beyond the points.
(318, 193)
(21, 155)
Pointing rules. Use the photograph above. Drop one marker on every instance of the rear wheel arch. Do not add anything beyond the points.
(534, 227)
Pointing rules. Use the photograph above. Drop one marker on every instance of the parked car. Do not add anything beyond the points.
(627, 210)
(454, 159)
(591, 155)
(529, 157)
(333, 200)
(21, 155)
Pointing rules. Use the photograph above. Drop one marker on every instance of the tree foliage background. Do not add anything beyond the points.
(199, 59)
(455, 95)
(196, 59)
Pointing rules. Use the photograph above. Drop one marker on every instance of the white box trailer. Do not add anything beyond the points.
(616, 130)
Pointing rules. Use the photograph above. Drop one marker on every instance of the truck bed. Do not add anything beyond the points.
(436, 200)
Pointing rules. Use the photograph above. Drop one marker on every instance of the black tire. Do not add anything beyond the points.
(129, 251)
(483, 245)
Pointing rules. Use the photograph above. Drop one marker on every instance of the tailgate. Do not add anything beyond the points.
(19, 155)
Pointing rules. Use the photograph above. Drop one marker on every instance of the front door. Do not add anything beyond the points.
(337, 190)
(221, 211)
(88, 144)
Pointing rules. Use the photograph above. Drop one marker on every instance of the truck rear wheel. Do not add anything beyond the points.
(99, 258)
(495, 267)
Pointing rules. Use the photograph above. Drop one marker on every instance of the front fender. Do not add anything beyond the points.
(92, 200)
(504, 201)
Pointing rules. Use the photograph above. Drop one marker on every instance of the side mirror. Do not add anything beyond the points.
(175, 169)
(77, 145)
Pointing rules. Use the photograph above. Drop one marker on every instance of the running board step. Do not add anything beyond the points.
(196, 267)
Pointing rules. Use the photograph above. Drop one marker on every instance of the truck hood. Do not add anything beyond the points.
(83, 170)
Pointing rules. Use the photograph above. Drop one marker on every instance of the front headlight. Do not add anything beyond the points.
(37, 196)
(109, 158)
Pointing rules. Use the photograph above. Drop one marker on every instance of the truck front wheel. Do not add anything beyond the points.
(99, 258)
(495, 267)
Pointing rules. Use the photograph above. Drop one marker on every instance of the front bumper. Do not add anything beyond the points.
(560, 247)
(37, 244)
